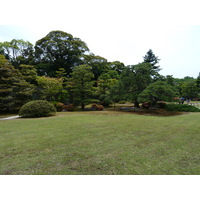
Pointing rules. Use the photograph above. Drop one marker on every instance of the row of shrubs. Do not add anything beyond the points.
(41, 108)
(173, 107)
(181, 108)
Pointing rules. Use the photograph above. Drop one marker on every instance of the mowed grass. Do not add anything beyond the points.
(101, 142)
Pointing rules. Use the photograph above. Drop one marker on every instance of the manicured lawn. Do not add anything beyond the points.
(103, 142)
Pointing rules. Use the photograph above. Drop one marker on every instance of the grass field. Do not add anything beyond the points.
(103, 142)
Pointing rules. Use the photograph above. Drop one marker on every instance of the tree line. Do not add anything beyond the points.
(60, 67)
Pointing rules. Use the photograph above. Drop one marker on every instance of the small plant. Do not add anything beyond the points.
(146, 105)
(59, 106)
(122, 102)
(96, 107)
(161, 104)
(38, 108)
(69, 107)
(181, 108)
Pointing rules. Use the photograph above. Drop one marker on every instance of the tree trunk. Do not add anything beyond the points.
(136, 104)
(82, 106)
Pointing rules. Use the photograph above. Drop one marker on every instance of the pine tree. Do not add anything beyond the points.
(153, 60)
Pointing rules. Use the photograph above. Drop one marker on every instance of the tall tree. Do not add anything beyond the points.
(153, 60)
(82, 84)
(18, 52)
(59, 49)
(14, 90)
(134, 80)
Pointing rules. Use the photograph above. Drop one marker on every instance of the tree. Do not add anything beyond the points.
(157, 91)
(134, 80)
(153, 60)
(98, 64)
(18, 52)
(14, 90)
(190, 89)
(82, 84)
(59, 50)
(104, 83)
(49, 88)
(29, 73)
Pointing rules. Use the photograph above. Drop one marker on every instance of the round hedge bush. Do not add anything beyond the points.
(38, 108)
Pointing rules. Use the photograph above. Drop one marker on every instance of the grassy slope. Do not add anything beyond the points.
(101, 143)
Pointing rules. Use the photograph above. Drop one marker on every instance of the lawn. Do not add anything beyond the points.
(104, 142)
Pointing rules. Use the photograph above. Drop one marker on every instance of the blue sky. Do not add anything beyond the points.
(117, 30)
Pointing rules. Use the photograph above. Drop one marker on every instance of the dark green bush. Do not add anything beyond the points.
(181, 107)
(38, 108)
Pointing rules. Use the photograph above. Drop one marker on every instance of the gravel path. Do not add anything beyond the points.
(7, 118)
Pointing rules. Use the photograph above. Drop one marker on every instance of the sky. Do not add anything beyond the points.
(116, 30)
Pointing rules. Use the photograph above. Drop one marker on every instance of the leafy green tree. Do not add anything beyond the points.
(82, 84)
(59, 49)
(98, 65)
(190, 89)
(157, 91)
(18, 52)
(134, 80)
(117, 66)
(104, 83)
(49, 88)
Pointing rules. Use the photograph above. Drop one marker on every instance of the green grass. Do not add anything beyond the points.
(102, 142)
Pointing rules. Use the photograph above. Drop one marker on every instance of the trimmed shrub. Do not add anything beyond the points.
(69, 107)
(38, 108)
(181, 107)
(161, 104)
(122, 102)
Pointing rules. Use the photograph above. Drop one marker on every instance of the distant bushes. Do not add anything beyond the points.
(181, 108)
(122, 102)
(96, 107)
(38, 108)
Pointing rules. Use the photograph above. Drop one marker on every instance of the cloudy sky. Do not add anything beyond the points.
(117, 30)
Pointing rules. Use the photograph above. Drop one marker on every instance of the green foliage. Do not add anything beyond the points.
(190, 89)
(59, 49)
(157, 91)
(50, 88)
(38, 108)
(18, 52)
(82, 84)
(14, 90)
(122, 102)
(153, 60)
(181, 108)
